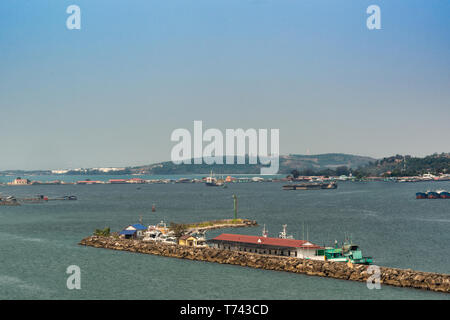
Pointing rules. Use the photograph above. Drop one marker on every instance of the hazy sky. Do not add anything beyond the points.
(111, 93)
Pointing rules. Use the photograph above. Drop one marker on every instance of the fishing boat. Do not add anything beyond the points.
(348, 252)
(211, 181)
(354, 254)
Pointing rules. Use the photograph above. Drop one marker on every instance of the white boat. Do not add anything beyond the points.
(211, 181)
(159, 232)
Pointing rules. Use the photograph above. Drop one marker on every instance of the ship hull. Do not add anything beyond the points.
(421, 195)
(433, 195)
(212, 184)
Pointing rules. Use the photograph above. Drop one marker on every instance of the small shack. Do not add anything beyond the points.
(188, 241)
(133, 231)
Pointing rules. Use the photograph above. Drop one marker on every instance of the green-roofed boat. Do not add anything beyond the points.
(349, 252)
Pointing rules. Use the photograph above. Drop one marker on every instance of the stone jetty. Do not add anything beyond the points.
(338, 270)
(220, 224)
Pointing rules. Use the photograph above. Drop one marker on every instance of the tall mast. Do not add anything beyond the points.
(303, 231)
(265, 232)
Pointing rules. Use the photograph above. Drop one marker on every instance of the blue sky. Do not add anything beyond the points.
(111, 93)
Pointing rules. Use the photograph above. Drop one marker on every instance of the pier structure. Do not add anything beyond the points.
(339, 270)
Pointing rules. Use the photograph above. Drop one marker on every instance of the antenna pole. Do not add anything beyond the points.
(235, 206)
(303, 231)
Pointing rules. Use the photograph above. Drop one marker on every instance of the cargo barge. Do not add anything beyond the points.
(13, 201)
(311, 186)
(439, 194)
(9, 203)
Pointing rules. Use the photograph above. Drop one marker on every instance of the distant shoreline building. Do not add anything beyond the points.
(20, 182)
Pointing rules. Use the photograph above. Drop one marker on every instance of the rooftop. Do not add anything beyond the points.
(139, 226)
(280, 242)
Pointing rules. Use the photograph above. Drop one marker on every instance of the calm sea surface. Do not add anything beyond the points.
(39, 241)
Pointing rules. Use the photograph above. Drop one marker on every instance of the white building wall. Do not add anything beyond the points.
(306, 253)
(293, 252)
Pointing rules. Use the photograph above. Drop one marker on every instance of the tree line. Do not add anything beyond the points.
(395, 166)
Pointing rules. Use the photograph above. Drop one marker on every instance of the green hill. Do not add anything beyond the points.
(288, 163)
(399, 165)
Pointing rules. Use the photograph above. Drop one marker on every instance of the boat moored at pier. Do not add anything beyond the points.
(348, 252)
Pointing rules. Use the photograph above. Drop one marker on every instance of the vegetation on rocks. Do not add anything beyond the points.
(105, 232)
(179, 229)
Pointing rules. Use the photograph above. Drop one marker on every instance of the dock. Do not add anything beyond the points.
(201, 227)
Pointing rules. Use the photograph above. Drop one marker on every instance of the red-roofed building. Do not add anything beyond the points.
(266, 245)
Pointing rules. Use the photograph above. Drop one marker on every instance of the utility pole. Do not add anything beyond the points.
(235, 206)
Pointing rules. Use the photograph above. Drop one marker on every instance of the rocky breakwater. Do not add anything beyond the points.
(221, 224)
(338, 270)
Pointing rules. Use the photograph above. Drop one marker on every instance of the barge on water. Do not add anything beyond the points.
(9, 201)
(439, 194)
(311, 186)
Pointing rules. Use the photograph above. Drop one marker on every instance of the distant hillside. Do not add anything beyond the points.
(287, 164)
(323, 161)
(331, 164)
(397, 166)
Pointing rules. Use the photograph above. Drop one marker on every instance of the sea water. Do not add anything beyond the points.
(39, 241)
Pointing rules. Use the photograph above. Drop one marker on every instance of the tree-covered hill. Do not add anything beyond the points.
(287, 164)
(399, 165)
